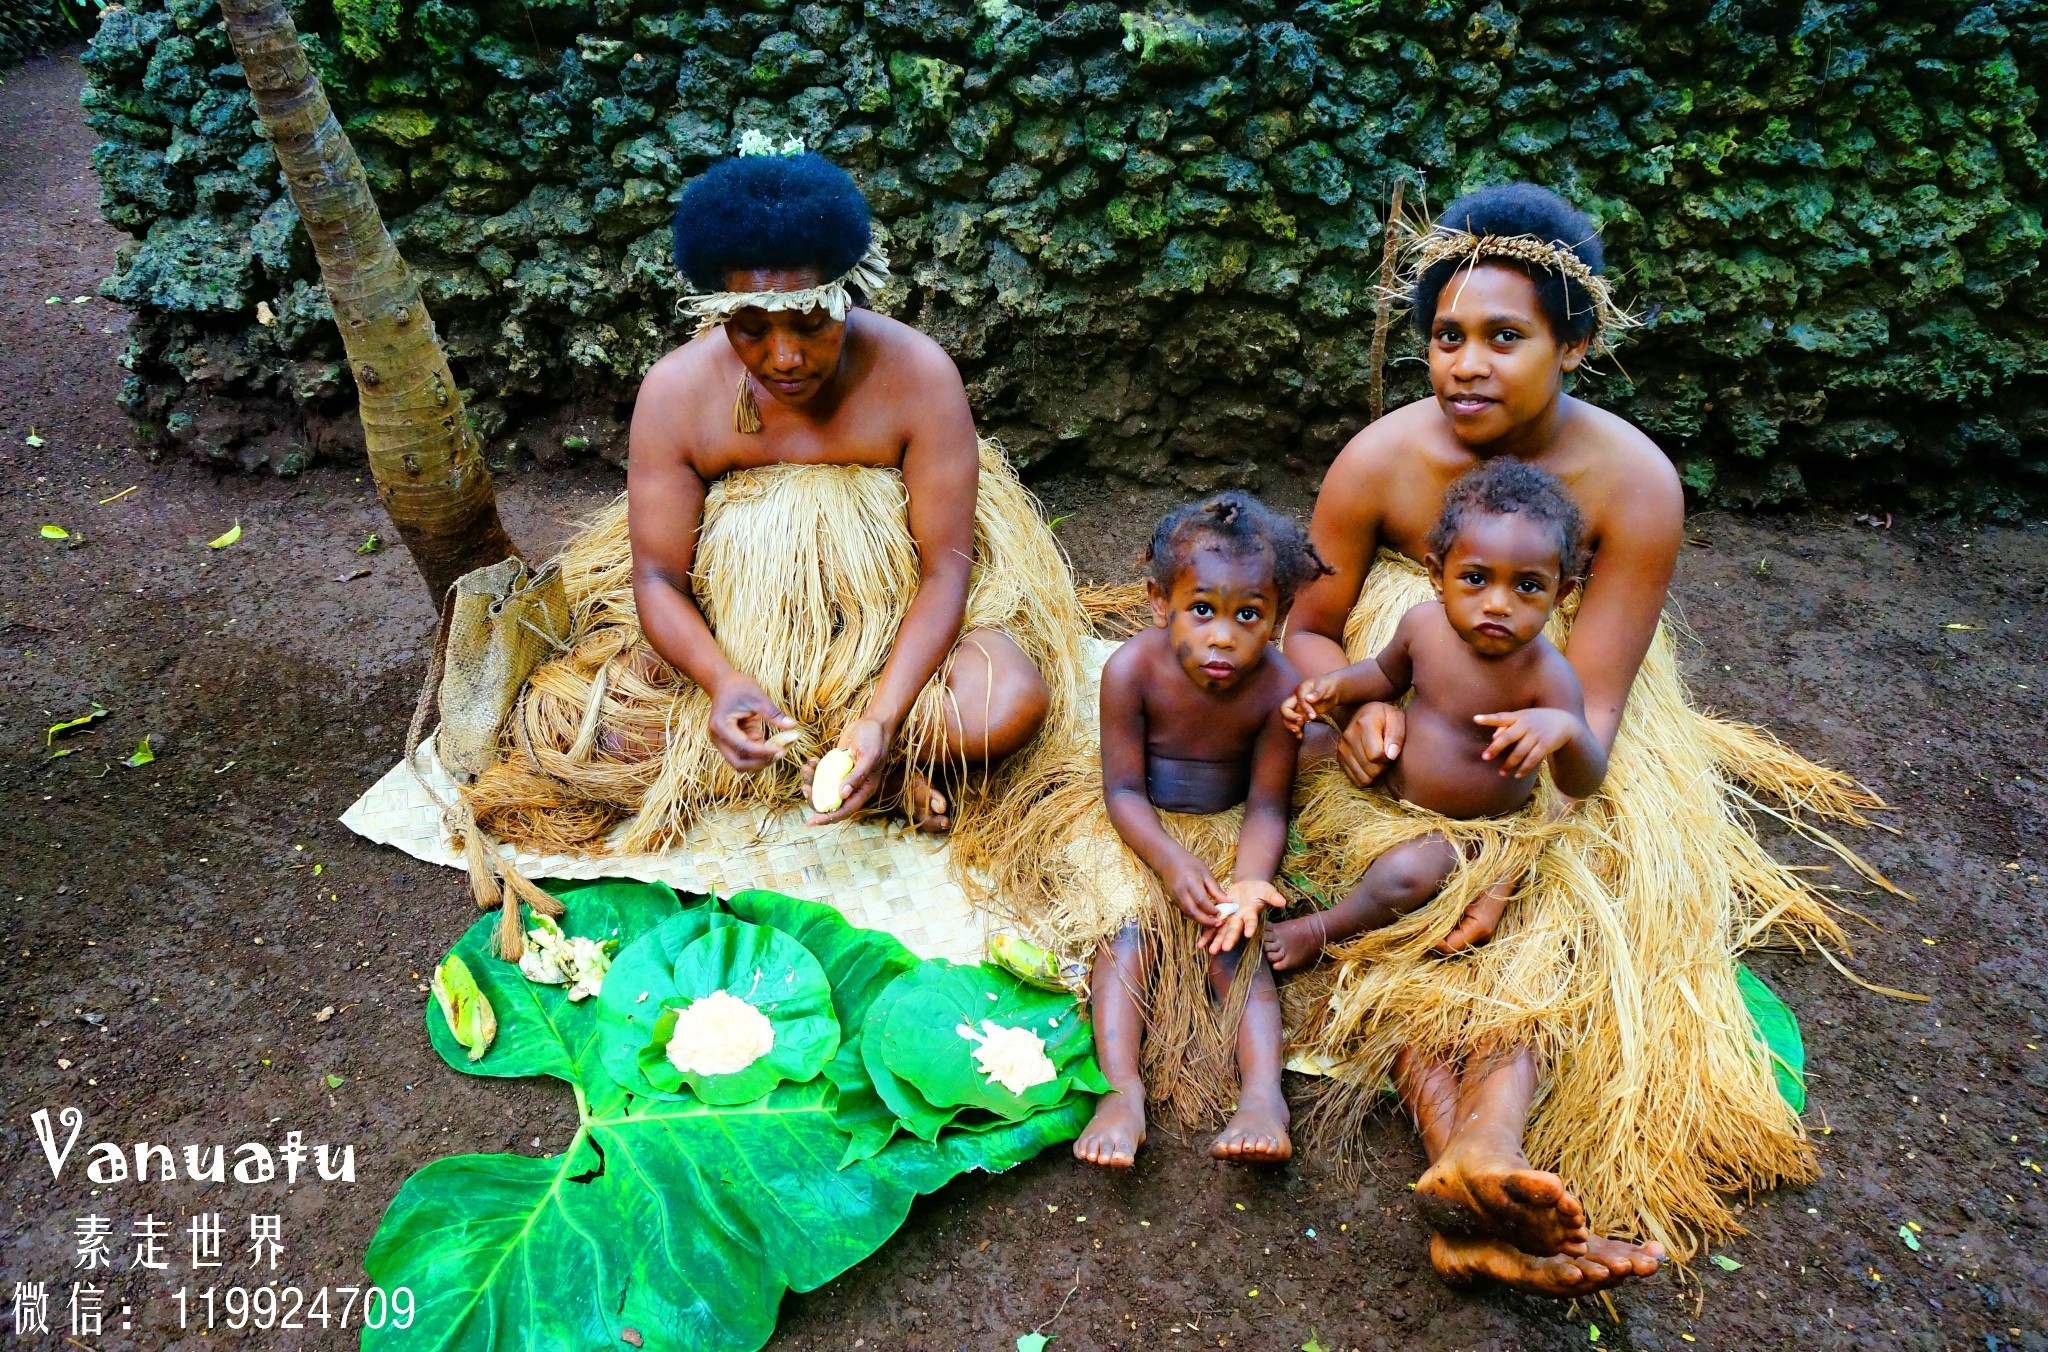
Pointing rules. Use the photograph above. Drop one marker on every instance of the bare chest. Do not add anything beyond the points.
(861, 431)
(1453, 686)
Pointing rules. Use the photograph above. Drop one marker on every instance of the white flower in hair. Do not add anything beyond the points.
(754, 141)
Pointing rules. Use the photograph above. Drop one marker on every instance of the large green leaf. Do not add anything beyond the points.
(863, 963)
(922, 1041)
(678, 1219)
(681, 1220)
(770, 971)
(907, 1108)
(540, 1031)
(859, 962)
(1779, 1031)
(695, 1221)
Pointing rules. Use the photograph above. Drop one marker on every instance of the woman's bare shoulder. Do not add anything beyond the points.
(684, 370)
(1383, 444)
(1621, 452)
(908, 348)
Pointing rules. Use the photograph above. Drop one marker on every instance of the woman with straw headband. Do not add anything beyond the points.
(813, 553)
(1590, 976)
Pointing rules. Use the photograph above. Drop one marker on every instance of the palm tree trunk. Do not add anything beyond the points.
(427, 461)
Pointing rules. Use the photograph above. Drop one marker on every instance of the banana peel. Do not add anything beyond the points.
(466, 1008)
(1034, 966)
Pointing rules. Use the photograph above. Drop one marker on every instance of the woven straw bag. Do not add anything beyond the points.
(499, 623)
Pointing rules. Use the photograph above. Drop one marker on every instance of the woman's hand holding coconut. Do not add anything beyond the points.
(744, 722)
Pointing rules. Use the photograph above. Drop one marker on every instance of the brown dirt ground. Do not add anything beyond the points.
(169, 945)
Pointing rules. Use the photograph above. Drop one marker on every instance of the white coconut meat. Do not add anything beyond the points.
(720, 1034)
(828, 781)
(1011, 1057)
(552, 958)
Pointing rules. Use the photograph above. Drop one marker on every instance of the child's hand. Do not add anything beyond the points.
(1527, 738)
(1195, 890)
(1300, 706)
(1248, 896)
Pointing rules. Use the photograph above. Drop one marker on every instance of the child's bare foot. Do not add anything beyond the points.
(1606, 1262)
(1478, 1186)
(1480, 920)
(1257, 1132)
(1294, 943)
(1116, 1131)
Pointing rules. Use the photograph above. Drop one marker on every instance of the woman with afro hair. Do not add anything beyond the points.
(1563, 1020)
(814, 554)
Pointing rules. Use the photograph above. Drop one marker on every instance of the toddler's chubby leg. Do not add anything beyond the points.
(1122, 974)
(1257, 1132)
(1397, 882)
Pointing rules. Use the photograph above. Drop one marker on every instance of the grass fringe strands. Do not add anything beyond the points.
(804, 573)
(1074, 884)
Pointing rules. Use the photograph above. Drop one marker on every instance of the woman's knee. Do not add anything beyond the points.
(999, 697)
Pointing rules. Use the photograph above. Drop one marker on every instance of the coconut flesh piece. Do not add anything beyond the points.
(1011, 1057)
(552, 958)
(828, 781)
(719, 1034)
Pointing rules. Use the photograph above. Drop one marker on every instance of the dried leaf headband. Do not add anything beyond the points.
(1427, 246)
(871, 274)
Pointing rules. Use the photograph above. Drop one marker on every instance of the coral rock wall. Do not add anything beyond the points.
(1150, 237)
(30, 26)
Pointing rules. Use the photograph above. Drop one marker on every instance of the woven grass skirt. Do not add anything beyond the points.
(804, 573)
(1616, 960)
(1189, 1062)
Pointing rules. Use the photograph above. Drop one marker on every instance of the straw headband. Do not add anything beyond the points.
(871, 274)
(1427, 247)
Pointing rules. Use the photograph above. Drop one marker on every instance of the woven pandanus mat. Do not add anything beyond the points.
(880, 875)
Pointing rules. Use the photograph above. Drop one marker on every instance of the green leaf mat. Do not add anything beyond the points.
(773, 973)
(922, 1045)
(680, 1220)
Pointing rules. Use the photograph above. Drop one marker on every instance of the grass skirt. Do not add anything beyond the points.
(804, 573)
(1616, 959)
(1097, 887)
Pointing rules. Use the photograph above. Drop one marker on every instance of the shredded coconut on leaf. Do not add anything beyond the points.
(720, 1034)
(1011, 1057)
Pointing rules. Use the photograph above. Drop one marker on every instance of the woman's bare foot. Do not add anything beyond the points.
(1257, 1132)
(1480, 1186)
(1294, 943)
(1116, 1131)
(1606, 1262)
(1480, 920)
(924, 806)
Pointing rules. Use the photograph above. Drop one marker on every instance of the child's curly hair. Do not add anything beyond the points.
(1505, 485)
(1244, 527)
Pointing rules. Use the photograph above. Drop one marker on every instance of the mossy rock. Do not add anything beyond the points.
(1831, 217)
